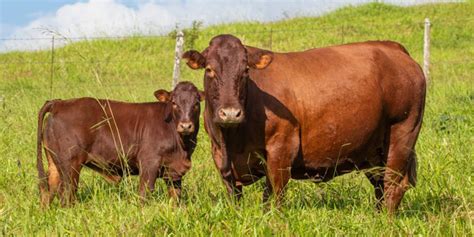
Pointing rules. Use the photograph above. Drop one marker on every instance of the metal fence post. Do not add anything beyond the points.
(178, 52)
(426, 50)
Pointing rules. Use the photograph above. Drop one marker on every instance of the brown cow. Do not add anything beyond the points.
(151, 140)
(312, 115)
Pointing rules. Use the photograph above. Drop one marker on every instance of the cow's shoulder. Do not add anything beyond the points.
(386, 45)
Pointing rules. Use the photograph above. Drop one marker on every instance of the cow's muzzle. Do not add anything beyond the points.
(185, 128)
(230, 116)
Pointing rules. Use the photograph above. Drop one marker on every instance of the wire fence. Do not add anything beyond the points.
(268, 36)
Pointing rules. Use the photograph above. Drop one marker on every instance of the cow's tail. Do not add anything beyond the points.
(411, 169)
(43, 179)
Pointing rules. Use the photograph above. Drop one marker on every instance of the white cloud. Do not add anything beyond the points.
(113, 18)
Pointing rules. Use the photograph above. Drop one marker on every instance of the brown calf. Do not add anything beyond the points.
(151, 140)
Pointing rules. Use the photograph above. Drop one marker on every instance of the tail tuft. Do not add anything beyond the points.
(411, 171)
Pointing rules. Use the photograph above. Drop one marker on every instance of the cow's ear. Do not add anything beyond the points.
(258, 58)
(162, 95)
(202, 95)
(195, 60)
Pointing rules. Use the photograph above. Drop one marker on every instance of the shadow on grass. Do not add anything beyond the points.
(127, 189)
(355, 193)
(423, 204)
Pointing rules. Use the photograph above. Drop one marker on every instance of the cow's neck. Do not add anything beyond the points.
(188, 142)
(234, 137)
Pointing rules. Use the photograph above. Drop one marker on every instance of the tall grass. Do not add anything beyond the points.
(131, 69)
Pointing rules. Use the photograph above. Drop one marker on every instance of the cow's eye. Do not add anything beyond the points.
(209, 72)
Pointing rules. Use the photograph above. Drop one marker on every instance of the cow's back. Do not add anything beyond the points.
(106, 129)
(341, 96)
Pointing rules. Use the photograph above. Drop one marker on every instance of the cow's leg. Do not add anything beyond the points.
(282, 150)
(267, 190)
(376, 179)
(174, 189)
(69, 170)
(148, 175)
(233, 189)
(400, 171)
(54, 180)
(278, 175)
(376, 173)
(75, 174)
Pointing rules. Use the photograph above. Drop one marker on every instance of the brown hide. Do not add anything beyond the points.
(152, 140)
(315, 114)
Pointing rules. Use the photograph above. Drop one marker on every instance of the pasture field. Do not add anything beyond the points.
(130, 69)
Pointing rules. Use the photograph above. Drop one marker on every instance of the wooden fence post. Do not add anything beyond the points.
(52, 69)
(426, 50)
(178, 52)
(271, 38)
(343, 32)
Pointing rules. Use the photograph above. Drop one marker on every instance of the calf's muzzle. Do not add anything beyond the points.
(185, 128)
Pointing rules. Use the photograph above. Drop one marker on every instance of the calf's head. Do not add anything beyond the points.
(226, 62)
(184, 106)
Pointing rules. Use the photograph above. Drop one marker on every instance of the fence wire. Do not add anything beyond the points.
(55, 59)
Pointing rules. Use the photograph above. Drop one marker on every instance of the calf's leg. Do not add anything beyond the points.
(69, 172)
(148, 175)
(54, 180)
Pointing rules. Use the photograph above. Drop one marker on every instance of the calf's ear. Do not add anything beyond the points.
(202, 95)
(258, 58)
(195, 60)
(162, 95)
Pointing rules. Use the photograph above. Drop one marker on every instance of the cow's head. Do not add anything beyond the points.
(184, 105)
(226, 62)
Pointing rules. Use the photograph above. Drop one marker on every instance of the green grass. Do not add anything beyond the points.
(131, 69)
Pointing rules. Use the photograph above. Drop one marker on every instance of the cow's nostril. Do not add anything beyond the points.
(222, 113)
(238, 113)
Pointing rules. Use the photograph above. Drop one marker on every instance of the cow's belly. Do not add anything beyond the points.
(323, 174)
(331, 145)
(342, 129)
(105, 155)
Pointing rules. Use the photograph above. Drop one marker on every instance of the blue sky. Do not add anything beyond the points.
(17, 13)
(89, 18)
